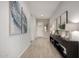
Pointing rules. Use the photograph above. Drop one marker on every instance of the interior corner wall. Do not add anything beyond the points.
(12, 45)
(73, 12)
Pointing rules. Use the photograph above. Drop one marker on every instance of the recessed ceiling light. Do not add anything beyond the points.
(42, 15)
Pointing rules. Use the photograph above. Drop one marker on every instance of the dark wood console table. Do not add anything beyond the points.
(68, 49)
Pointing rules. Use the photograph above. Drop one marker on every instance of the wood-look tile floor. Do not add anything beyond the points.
(41, 48)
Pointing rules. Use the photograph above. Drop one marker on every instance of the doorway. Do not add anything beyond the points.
(42, 27)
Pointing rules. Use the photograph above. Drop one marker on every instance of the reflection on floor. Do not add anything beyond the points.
(40, 48)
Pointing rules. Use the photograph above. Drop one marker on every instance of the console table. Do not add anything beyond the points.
(68, 49)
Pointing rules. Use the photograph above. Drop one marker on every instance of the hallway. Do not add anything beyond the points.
(27, 27)
(41, 47)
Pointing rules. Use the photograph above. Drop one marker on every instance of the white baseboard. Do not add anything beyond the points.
(19, 56)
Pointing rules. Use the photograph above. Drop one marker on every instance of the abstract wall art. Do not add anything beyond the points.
(17, 18)
(24, 21)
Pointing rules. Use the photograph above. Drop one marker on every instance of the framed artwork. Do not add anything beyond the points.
(64, 17)
(63, 20)
(58, 23)
(17, 19)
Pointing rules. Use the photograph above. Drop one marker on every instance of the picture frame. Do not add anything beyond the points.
(17, 19)
(58, 23)
(61, 22)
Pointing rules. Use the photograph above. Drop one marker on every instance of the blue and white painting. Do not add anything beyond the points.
(18, 21)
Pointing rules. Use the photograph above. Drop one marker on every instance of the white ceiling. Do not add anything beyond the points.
(42, 9)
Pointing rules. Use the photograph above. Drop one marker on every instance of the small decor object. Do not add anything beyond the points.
(62, 26)
(18, 21)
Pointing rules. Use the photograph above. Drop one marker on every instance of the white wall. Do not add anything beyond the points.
(12, 46)
(73, 13)
(33, 28)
